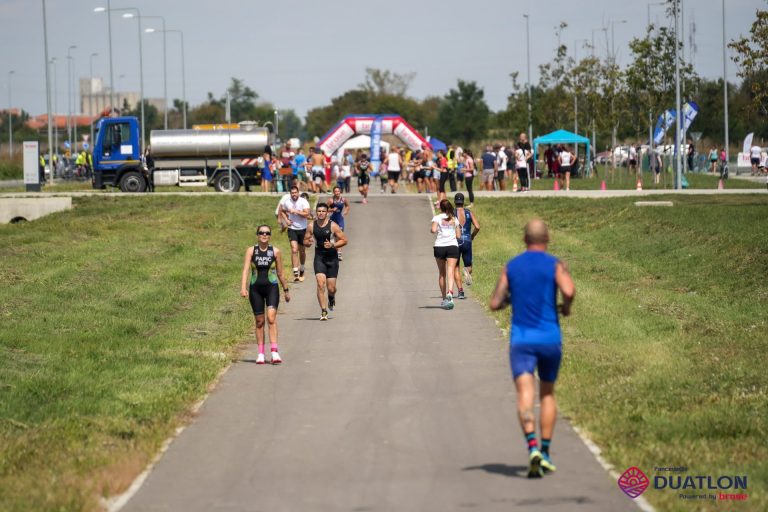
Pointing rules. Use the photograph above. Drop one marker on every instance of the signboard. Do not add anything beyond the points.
(32, 166)
(743, 160)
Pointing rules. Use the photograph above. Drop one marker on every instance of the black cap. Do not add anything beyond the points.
(459, 199)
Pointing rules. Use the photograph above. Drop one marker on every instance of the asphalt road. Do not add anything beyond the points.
(392, 405)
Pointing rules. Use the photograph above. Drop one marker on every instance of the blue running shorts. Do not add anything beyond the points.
(525, 357)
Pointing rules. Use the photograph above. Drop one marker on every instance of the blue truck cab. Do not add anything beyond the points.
(117, 158)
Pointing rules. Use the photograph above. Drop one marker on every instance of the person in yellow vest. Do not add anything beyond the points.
(80, 164)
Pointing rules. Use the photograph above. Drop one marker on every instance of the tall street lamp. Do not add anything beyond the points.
(725, 90)
(90, 93)
(576, 96)
(141, 67)
(108, 9)
(594, 129)
(47, 90)
(52, 63)
(614, 123)
(183, 71)
(528, 52)
(165, 70)
(10, 116)
(678, 120)
(70, 60)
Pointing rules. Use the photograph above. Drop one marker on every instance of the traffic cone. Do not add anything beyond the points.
(557, 185)
(602, 185)
(639, 185)
(720, 185)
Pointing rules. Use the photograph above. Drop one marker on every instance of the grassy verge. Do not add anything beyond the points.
(665, 355)
(11, 170)
(116, 316)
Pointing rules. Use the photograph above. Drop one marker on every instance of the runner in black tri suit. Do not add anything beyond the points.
(363, 167)
(264, 265)
(328, 238)
(338, 207)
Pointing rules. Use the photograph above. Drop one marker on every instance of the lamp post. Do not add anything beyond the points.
(576, 96)
(47, 90)
(678, 123)
(594, 130)
(141, 68)
(165, 70)
(528, 60)
(725, 90)
(119, 89)
(70, 60)
(650, 112)
(614, 123)
(52, 62)
(183, 71)
(108, 9)
(10, 116)
(90, 92)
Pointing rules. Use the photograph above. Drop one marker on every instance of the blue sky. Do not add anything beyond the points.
(301, 53)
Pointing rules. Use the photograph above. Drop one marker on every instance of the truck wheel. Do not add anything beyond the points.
(222, 184)
(133, 182)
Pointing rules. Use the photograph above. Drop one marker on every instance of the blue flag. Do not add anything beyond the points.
(376, 144)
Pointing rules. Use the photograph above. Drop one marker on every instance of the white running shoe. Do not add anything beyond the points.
(260, 359)
(467, 277)
(276, 358)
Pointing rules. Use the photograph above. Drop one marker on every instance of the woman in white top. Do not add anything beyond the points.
(566, 159)
(446, 249)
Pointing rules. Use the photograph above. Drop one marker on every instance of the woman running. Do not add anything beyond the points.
(264, 264)
(446, 249)
(339, 208)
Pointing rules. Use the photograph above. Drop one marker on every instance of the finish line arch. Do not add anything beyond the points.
(374, 125)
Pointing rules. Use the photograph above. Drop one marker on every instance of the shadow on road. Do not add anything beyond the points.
(501, 469)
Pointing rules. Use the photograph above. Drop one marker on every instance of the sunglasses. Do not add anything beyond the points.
(265, 233)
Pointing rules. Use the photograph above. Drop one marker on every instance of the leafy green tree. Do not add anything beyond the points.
(152, 117)
(752, 58)
(464, 115)
(291, 126)
(385, 82)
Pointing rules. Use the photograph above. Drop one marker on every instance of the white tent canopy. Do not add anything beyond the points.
(362, 142)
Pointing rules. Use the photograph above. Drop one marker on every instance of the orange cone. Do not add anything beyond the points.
(639, 185)
(720, 184)
(557, 185)
(602, 185)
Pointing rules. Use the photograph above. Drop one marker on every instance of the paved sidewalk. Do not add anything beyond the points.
(392, 405)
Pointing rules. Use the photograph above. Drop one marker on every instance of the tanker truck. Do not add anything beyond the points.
(185, 158)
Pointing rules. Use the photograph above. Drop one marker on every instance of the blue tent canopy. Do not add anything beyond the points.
(562, 137)
(436, 144)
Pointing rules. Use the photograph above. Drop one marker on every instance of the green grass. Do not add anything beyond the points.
(116, 317)
(665, 354)
(11, 169)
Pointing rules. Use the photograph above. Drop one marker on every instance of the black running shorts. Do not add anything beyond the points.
(443, 253)
(393, 175)
(327, 264)
(263, 296)
(296, 235)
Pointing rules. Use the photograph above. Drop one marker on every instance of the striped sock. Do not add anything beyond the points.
(531, 440)
(545, 446)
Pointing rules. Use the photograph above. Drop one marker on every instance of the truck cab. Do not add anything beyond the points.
(117, 159)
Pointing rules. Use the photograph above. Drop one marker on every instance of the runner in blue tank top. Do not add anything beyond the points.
(530, 283)
(470, 226)
(338, 207)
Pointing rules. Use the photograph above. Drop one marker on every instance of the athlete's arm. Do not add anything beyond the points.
(475, 226)
(500, 296)
(246, 272)
(279, 269)
(308, 235)
(345, 211)
(341, 238)
(566, 286)
(434, 227)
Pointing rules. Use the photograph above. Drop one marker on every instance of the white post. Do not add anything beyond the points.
(725, 91)
(10, 116)
(678, 123)
(528, 60)
(48, 91)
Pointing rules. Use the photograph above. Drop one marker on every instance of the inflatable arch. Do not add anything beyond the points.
(375, 126)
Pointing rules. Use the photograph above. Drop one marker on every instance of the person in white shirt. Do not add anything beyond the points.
(501, 167)
(566, 159)
(754, 158)
(294, 211)
(392, 164)
(446, 250)
(521, 167)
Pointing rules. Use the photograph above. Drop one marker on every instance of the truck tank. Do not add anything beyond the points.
(203, 143)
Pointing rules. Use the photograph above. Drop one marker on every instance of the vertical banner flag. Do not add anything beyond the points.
(690, 110)
(747, 143)
(376, 143)
(666, 120)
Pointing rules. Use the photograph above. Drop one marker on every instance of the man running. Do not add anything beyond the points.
(338, 207)
(470, 226)
(317, 164)
(294, 211)
(329, 238)
(530, 282)
(392, 164)
(363, 178)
